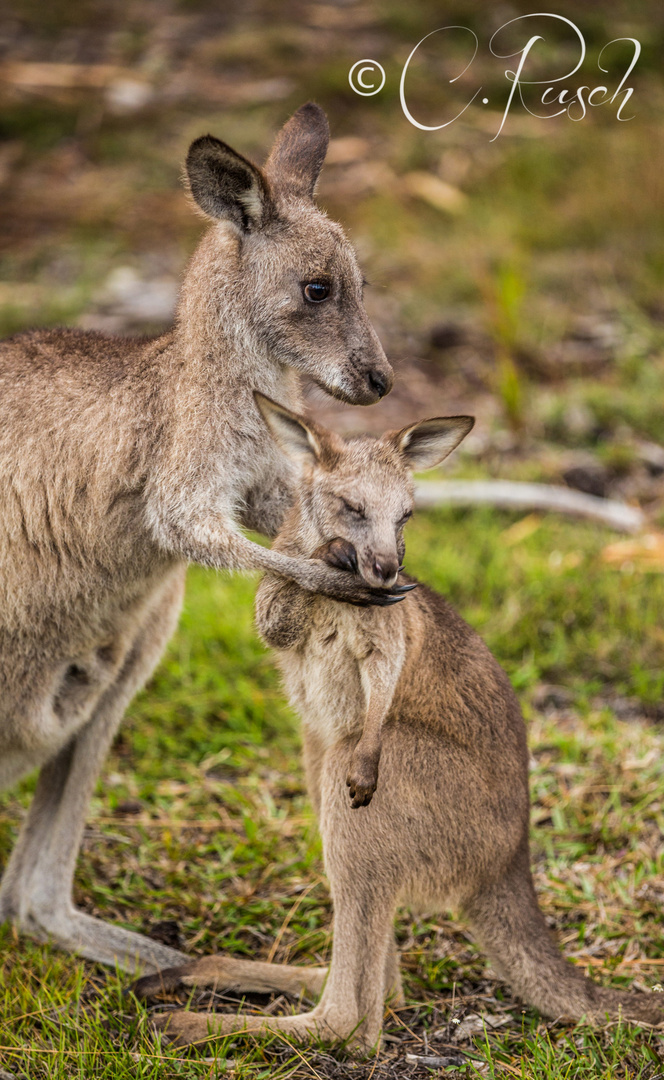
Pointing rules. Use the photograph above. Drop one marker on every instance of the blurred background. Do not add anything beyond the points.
(518, 278)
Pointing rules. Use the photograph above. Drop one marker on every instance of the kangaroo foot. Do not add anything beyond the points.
(183, 1028)
(76, 932)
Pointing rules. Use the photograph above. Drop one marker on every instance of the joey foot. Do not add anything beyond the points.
(230, 973)
(362, 779)
(182, 1028)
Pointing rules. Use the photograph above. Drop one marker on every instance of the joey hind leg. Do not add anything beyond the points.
(254, 977)
(248, 976)
(351, 1007)
(364, 967)
(36, 887)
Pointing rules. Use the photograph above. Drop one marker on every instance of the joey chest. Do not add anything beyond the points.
(326, 677)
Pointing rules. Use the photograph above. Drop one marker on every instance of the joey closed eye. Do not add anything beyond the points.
(404, 518)
(356, 511)
(316, 291)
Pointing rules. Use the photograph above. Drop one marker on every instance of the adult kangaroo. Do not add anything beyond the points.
(416, 760)
(121, 460)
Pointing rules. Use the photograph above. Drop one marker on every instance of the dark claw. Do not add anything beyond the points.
(343, 560)
(348, 563)
(397, 590)
(360, 800)
(385, 600)
(338, 553)
(166, 981)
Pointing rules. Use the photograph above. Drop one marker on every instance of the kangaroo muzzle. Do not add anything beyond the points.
(366, 386)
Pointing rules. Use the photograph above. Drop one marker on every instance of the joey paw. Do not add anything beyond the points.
(362, 781)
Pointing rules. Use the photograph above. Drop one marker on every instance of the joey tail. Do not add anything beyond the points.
(510, 927)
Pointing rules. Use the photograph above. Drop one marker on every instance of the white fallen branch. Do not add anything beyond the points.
(516, 495)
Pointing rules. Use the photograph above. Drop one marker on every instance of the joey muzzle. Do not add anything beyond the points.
(379, 571)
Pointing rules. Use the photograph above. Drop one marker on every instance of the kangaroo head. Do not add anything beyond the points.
(297, 287)
(361, 489)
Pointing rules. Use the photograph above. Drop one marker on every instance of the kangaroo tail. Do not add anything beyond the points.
(509, 925)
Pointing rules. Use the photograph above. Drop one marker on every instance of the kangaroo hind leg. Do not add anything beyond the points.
(36, 887)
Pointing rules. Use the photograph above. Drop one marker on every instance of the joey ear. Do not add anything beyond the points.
(425, 445)
(299, 150)
(299, 440)
(227, 186)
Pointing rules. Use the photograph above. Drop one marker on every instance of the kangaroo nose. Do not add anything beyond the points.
(385, 568)
(379, 382)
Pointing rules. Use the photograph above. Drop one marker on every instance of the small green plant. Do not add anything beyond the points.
(503, 291)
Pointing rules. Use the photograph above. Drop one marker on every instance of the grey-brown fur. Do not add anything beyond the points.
(448, 823)
(121, 460)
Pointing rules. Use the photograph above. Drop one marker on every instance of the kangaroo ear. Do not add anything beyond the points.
(425, 445)
(296, 438)
(227, 186)
(297, 156)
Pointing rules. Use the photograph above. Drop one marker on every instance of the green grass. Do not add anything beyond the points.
(201, 817)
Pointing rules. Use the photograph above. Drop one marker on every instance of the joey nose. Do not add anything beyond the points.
(385, 568)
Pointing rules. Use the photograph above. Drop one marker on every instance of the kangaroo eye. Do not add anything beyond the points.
(404, 517)
(316, 291)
